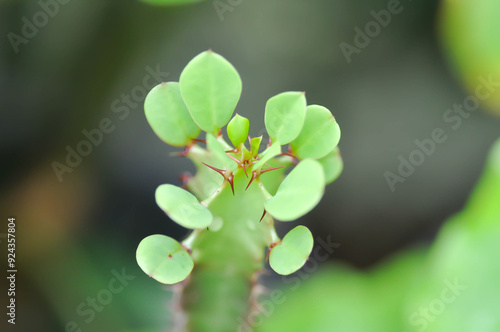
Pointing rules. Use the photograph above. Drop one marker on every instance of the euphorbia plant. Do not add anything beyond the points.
(237, 192)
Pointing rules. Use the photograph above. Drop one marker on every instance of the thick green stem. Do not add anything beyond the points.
(227, 256)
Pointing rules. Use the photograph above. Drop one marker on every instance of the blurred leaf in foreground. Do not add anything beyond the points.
(470, 32)
(451, 287)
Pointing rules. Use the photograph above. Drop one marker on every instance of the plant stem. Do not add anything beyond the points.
(227, 256)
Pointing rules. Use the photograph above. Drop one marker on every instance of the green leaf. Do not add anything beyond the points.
(299, 193)
(293, 251)
(373, 304)
(182, 207)
(470, 39)
(255, 145)
(319, 136)
(237, 130)
(168, 115)
(451, 287)
(483, 204)
(266, 155)
(164, 259)
(211, 88)
(332, 165)
(462, 260)
(272, 180)
(284, 117)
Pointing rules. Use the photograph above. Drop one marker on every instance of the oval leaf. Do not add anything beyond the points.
(182, 207)
(272, 180)
(168, 115)
(319, 135)
(332, 165)
(293, 251)
(299, 193)
(164, 259)
(211, 88)
(237, 130)
(284, 117)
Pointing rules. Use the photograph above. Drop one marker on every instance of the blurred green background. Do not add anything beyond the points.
(88, 61)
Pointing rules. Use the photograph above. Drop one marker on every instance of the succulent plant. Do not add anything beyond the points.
(238, 190)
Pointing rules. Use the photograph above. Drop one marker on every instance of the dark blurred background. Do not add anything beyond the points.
(78, 68)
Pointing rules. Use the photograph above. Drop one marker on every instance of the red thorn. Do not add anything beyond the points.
(254, 175)
(185, 177)
(199, 140)
(235, 150)
(270, 169)
(233, 158)
(256, 160)
(244, 166)
(182, 153)
(220, 132)
(187, 249)
(220, 171)
(249, 140)
(240, 163)
(288, 154)
(263, 215)
(230, 179)
(270, 142)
